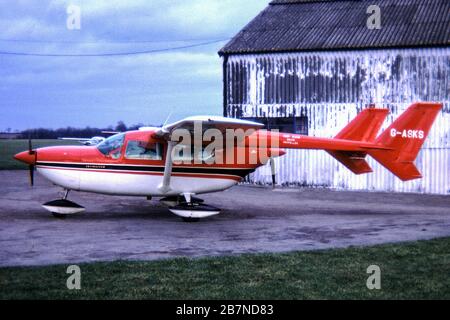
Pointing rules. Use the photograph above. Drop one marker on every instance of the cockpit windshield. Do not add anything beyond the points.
(112, 146)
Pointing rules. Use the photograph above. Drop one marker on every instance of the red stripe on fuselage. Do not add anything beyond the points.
(178, 174)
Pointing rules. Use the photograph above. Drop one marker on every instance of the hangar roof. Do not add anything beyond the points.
(310, 25)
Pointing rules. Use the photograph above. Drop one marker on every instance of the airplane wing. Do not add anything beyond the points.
(208, 122)
(75, 139)
(85, 141)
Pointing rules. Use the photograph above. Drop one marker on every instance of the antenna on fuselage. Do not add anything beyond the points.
(168, 117)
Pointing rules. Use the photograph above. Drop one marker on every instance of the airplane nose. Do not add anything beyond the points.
(26, 157)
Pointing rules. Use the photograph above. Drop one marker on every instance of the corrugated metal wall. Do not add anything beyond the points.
(331, 88)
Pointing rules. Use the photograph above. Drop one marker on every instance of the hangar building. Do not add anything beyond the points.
(310, 66)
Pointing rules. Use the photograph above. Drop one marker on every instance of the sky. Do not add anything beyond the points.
(59, 91)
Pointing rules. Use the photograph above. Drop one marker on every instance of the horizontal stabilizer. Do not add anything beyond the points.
(364, 127)
(355, 162)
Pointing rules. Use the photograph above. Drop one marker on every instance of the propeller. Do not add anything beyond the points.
(31, 166)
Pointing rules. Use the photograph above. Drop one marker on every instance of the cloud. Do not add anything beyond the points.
(55, 92)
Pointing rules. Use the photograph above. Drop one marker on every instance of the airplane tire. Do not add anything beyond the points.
(191, 219)
(59, 215)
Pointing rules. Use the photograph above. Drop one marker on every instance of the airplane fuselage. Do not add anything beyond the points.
(88, 169)
(141, 179)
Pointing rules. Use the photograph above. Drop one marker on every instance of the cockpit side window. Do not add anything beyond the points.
(185, 154)
(143, 150)
(112, 146)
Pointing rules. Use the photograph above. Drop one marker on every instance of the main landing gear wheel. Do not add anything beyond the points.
(59, 215)
(190, 219)
(192, 212)
(173, 201)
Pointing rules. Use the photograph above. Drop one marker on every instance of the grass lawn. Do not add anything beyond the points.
(417, 270)
(8, 148)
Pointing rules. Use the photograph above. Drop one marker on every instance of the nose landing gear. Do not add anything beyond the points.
(61, 208)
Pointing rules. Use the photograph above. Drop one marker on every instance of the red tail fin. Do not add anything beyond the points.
(405, 137)
(364, 127)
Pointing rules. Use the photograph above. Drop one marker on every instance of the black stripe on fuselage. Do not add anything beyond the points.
(205, 170)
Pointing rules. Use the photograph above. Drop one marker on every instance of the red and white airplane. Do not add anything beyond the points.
(144, 162)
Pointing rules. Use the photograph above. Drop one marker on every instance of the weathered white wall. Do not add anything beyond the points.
(330, 88)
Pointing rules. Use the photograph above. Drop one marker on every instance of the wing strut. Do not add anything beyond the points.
(165, 185)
